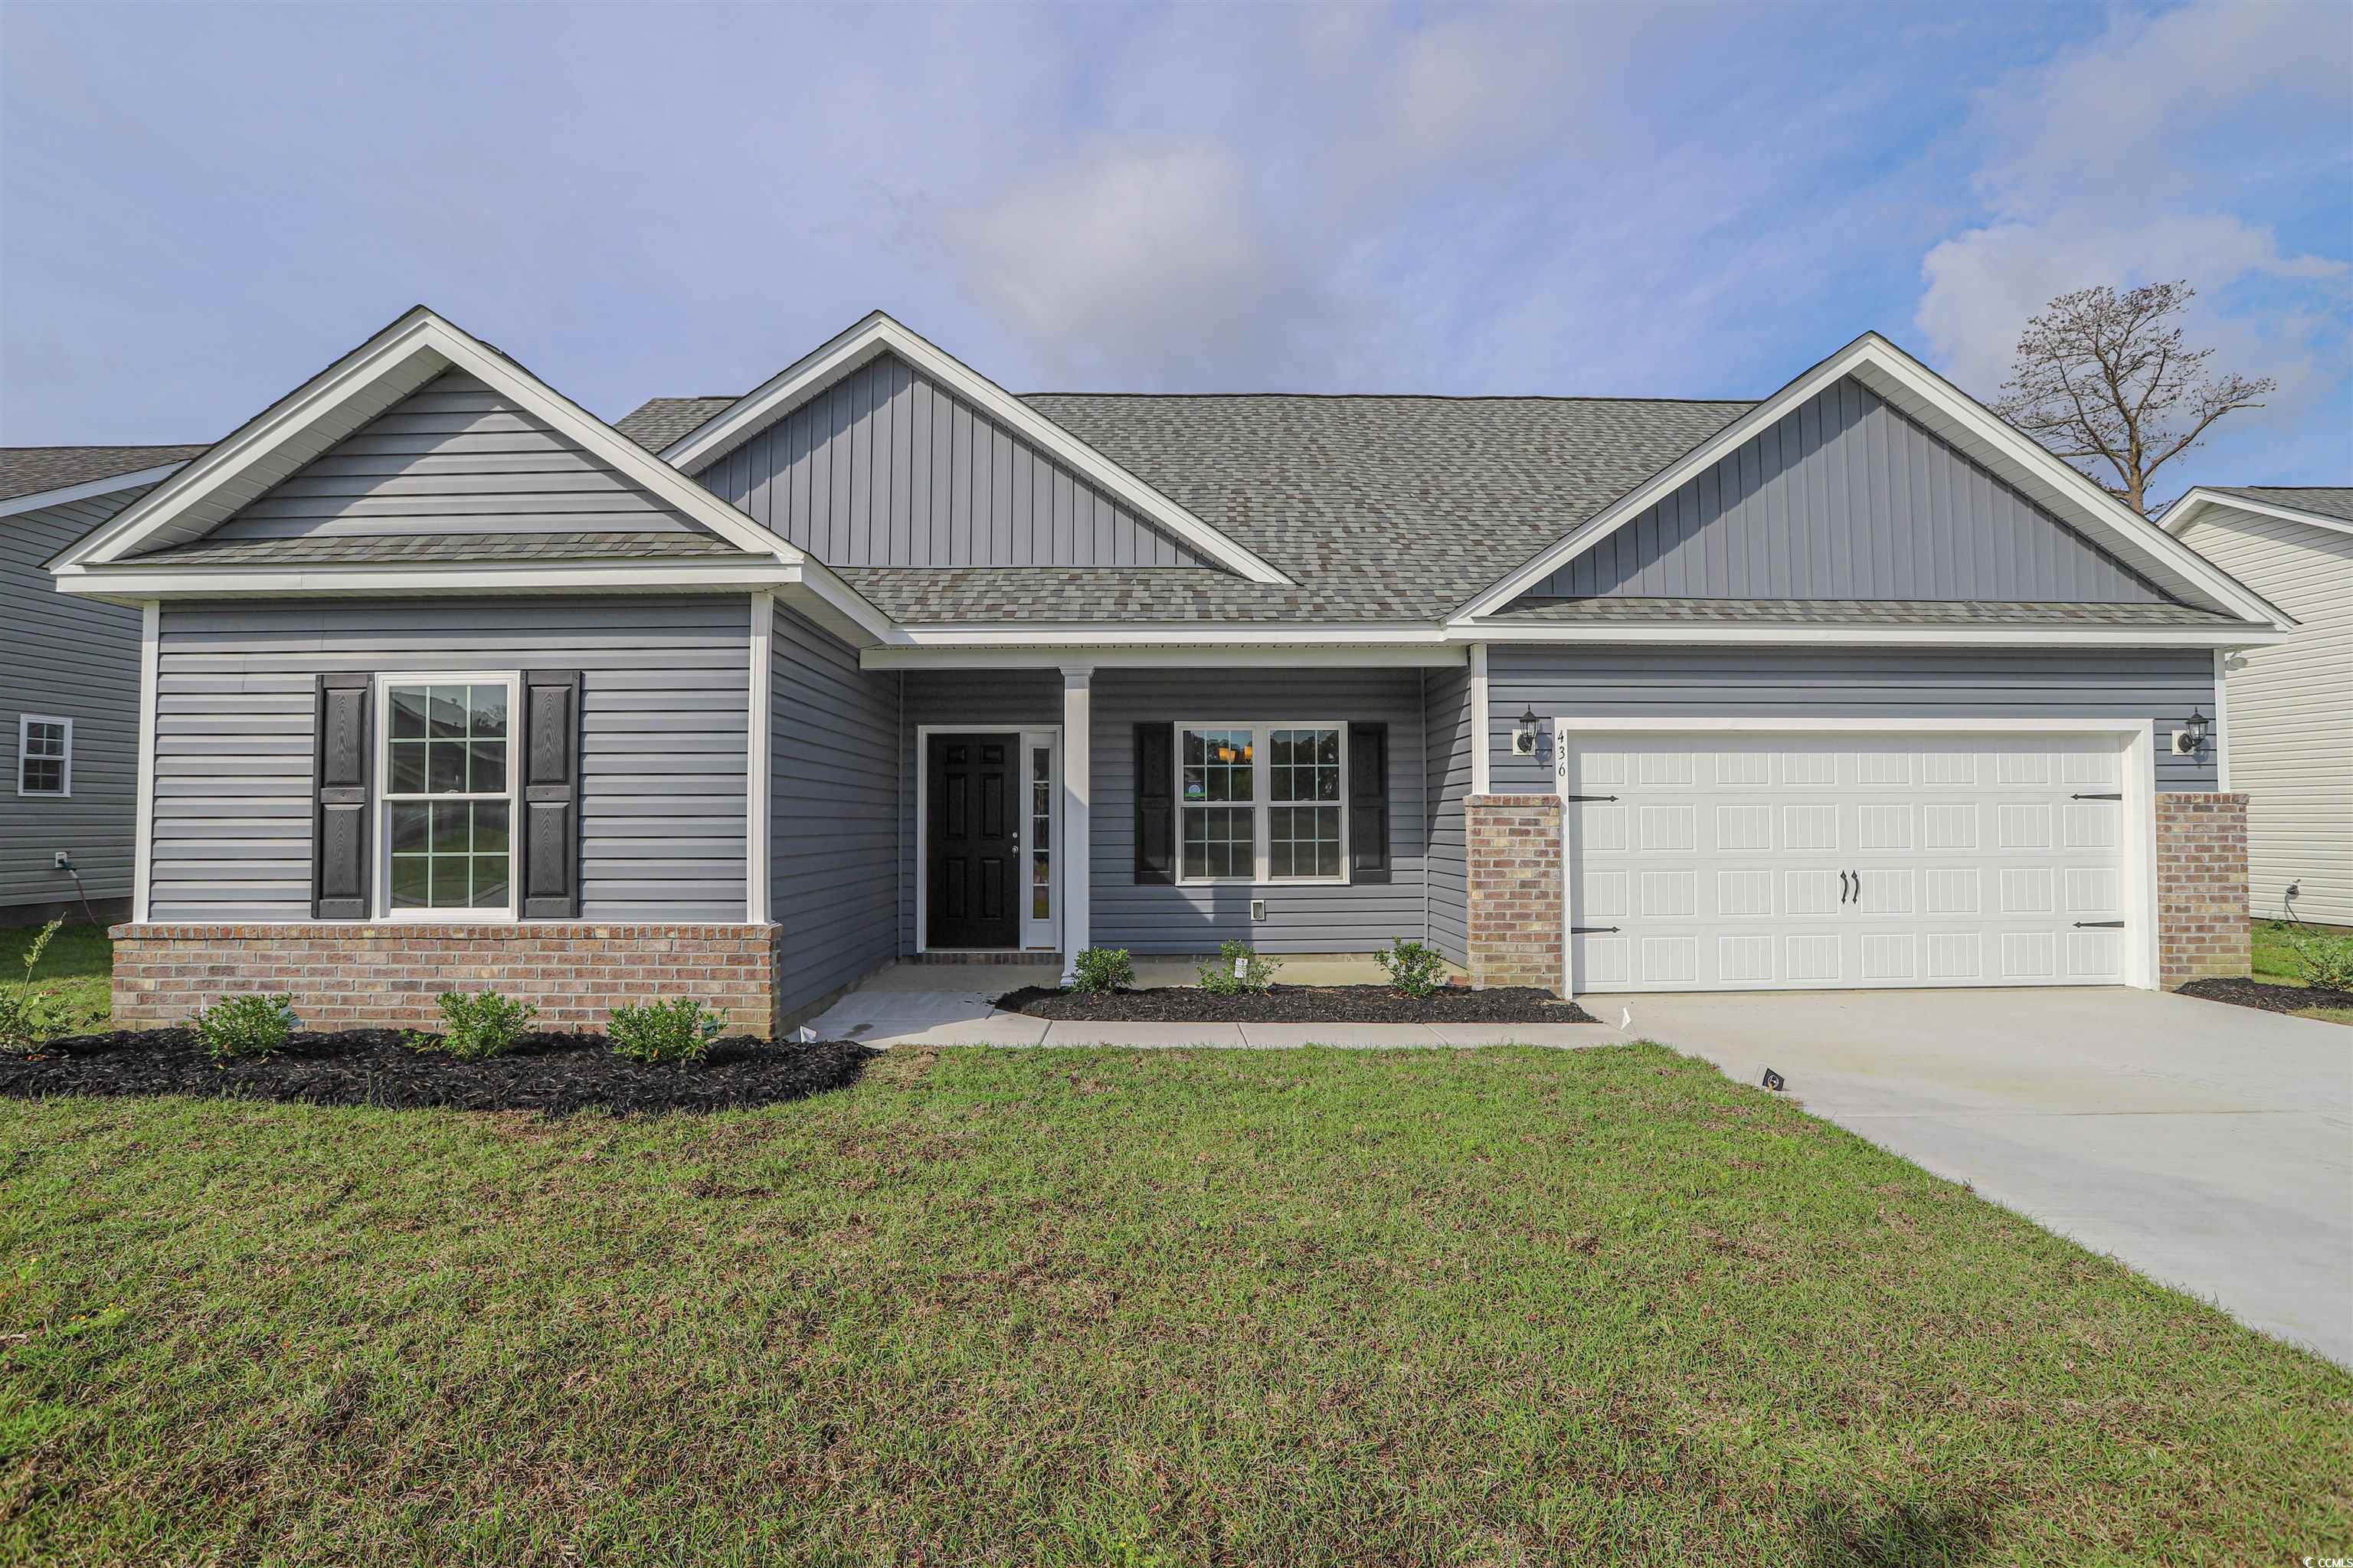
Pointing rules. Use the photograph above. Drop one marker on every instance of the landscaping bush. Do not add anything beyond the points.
(30, 1016)
(1239, 967)
(236, 1027)
(680, 1030)
(1413, 968)
(477, 1028)
(2324, 960)
(1100, 970)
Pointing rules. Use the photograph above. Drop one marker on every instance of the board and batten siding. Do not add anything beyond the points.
(1847, 498)
(2160, 683)
(453, 457)
(2289, 724)
(1447, 706)
(663, 717)
(886, 468)
(68, 658)
(836, 795)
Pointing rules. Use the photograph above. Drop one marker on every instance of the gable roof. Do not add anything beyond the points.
(1951, 415)
(2321, 506)
(47, 476)
(877, 334)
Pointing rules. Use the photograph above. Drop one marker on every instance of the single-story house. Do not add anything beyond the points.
(446, 681)
(2288, 707)
(68, 685)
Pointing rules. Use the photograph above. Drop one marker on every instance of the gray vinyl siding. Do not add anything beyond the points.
(2162, 683)
(836, 788)
(70, 658)
(1179, 920)
(454, 457)
(1847, 498)
(1446, 704)
(664, 695)
(886, 468)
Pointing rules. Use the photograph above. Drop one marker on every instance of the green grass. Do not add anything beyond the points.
(77, 963)
(2275, 963)
(1035, 1306)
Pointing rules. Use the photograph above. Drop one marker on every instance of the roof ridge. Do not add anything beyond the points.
(1420, 396)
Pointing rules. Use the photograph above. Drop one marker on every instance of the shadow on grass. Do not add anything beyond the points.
(1840, 1534)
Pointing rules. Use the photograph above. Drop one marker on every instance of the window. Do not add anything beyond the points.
(448, 795)
(44, 756)
(1041, 832)
(1262, 803)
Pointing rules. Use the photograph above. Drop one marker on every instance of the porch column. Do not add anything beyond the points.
(1077, 861)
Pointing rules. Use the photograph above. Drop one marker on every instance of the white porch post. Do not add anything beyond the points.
(1077, 866)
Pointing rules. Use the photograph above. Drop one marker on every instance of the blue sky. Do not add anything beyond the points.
(202, 205)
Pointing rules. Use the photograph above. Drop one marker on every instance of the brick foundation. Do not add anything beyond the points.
(360, 976)
(2201, 888)
(1515, 890)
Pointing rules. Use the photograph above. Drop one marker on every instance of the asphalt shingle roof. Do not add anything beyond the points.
(393, 549)
(28, 471)
(2327, 501)
(662, 420)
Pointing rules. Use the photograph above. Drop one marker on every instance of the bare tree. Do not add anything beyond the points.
(2101, 379)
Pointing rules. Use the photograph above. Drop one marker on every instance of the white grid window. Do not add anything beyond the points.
(44, 754)
(1262, 803)
(448, 796)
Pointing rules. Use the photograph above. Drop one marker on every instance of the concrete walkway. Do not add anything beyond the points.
(2210, 1147)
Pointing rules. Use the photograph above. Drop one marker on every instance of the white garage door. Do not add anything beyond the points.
(1754, 862)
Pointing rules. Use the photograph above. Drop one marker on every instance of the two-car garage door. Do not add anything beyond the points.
(1726, 862)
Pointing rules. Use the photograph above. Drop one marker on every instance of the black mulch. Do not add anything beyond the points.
(1299, 1004)
(553, 1074)
(2244, 993)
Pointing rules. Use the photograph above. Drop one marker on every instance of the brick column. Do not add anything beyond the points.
(2201, 887)
(1515, 890)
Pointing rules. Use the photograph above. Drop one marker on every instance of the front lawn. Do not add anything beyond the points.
(1035, 1306)
(79, 963)
(2276, 964)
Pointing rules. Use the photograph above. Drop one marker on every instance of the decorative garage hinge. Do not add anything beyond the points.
(2095, 797)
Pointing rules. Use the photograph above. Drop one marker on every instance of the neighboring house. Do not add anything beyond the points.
(69, 684)
(2288, 708)
(450, 683)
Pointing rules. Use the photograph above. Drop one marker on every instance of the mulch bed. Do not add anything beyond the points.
(556, 1075)
(2244, 993)
(1299, 1004)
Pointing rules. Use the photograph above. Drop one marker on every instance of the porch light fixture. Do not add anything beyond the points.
(1524, 739)
(2190, 739)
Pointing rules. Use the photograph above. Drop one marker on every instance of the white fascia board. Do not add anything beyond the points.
(402, 357)
(1221, 655)
(87, 489)
(1944, 408)
(2242, 635)
(1178, 634)
(877, 334)
(195, 582)
(2184, 511)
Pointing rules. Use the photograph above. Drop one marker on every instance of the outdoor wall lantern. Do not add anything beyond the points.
(2189, 740)
(1524, 739)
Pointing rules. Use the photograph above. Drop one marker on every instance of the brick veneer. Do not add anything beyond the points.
(365, 976)
(1515, 890)
(2201, 887)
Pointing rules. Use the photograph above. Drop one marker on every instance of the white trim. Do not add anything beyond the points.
(923, 733)
(142, 848)
(1257, 649)
(25, 722)
(1261, 801)
(1919, 391)
(1038, 934)
(1482, 726)
(2222, 720)
(2138, 739)
(380, 801)
(877, 333)
(2239, 634)
(2184, 511)
(89, 488)
(1077, 892)
(761, 721)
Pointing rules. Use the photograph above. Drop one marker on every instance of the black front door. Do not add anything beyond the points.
(973, 846)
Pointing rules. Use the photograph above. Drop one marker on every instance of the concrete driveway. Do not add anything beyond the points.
(2208, 1147)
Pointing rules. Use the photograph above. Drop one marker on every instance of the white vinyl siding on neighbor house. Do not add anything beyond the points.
(2289, 719)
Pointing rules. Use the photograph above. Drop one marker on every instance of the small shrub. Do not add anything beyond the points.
(1238, 968)
(29, 1017)
(1103, 969)
(477, 1028)
(1413, 968)
(2324, 960)
(236, 1027)
(680, 1030)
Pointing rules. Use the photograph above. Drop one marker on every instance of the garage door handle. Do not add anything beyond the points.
(1588, 797)
(1587, 930)
(1843, 888)
(2095, 797)
(2100, 924)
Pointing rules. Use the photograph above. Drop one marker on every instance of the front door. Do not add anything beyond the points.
(974, 841)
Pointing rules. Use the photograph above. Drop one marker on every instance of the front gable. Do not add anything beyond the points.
(1845, 497)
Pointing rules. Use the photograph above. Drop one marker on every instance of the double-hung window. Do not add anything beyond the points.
(44, 754)
(1262, 802)
(448, 799)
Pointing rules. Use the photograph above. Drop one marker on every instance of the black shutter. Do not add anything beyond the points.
(338, 836)
(550, 836)
(1156, 803)
(1369, 802)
